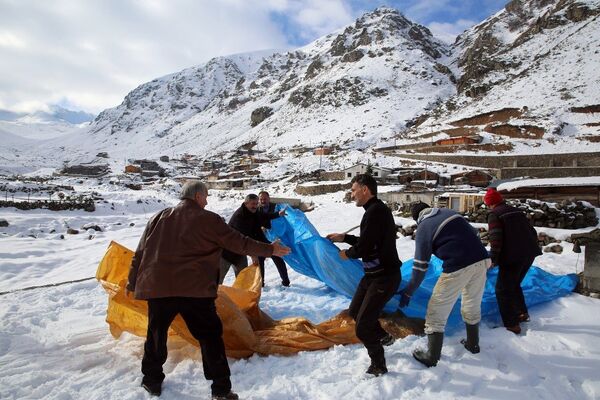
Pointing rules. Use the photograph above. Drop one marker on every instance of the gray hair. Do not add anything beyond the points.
(250, 197)
(191, 187)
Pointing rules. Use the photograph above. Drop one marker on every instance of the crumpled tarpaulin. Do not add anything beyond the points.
(246, 329)
(316, 257)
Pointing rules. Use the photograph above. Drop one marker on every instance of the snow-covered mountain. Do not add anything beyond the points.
(53, 114)
(381, 80)
(350, 88)
(540, 58)
(51, 123)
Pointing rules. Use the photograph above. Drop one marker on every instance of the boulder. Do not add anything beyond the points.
(259, 115)
(91, 226)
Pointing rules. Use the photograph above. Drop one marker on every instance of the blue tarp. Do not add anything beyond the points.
(316, 257)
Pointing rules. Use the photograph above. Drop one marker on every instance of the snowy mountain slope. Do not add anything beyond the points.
(362, 86)
(349, 88)
(539, 56)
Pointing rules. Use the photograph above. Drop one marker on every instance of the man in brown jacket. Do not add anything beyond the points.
(176, 269)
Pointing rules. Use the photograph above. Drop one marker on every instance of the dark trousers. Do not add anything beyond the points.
(509, 294)
(281, 268)
(200, 316)
(365, 308)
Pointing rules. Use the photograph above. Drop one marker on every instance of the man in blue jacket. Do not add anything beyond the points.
(452, 239)
(376, 245)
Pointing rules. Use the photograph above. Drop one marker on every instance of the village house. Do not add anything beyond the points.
(234, 183)
(408, 197)
(132, 169)
(378, 173)
(299, 150)
(425, 178)
(552, 189)
(459, 201)
(453, 141)
(89, 170)
(476, 177)
(323, 151)
(147, 168)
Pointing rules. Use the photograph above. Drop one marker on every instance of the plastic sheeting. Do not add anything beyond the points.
(246, 329)
(316, 257)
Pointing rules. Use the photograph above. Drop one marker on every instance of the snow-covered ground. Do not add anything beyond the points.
(55, 344)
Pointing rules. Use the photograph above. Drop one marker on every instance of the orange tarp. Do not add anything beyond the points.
(246, 329)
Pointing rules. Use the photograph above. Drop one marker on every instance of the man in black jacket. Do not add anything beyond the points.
(376, 245)
(246, 221)
(267, 213)
(513, 243)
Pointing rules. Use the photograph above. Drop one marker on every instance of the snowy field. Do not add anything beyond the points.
(55, 344)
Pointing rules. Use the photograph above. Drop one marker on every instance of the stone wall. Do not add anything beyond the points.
(565, 215)
(545, 172)
(529, 160)
(313, 190)
(86, 204)
(332, 175)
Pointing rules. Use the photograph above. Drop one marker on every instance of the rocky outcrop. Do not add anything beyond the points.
(485, 57)
(341, 92)
(259, 115)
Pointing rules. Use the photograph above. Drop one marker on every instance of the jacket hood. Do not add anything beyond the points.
(426, 213)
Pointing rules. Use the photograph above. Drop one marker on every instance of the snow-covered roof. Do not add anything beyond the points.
(581, 181)
(374, 167)
(448, 194)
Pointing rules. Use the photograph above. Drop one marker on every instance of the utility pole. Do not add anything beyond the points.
(321, 156)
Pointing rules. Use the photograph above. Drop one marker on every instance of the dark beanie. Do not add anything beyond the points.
(416, 209)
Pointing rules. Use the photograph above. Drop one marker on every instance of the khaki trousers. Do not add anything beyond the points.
(468, 281)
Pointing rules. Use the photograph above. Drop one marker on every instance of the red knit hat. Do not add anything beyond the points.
(492, 197)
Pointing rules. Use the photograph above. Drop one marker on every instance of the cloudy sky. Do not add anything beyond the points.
(88, 54)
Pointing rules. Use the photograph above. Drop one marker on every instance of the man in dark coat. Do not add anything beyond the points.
(246, 221)
(513, 243)
(267, 213)
(176, 269)
(376, 245)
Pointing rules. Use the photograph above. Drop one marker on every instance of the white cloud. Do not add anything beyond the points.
(322, 17)
(91, 53)
(422, 9)
(9, 40)
(94, 52)
(448, 31)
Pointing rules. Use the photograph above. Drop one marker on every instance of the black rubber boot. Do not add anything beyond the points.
(471, 343)
(431, 357)
(377, 367)
(154, 388)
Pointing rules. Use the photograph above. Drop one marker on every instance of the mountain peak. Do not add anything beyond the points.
(387, 23)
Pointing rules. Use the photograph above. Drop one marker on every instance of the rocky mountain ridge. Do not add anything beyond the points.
(373, 66)
(513, 81)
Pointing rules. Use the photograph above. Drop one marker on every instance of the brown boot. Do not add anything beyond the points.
(523, 317)
(514, 329)
(226, 396)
